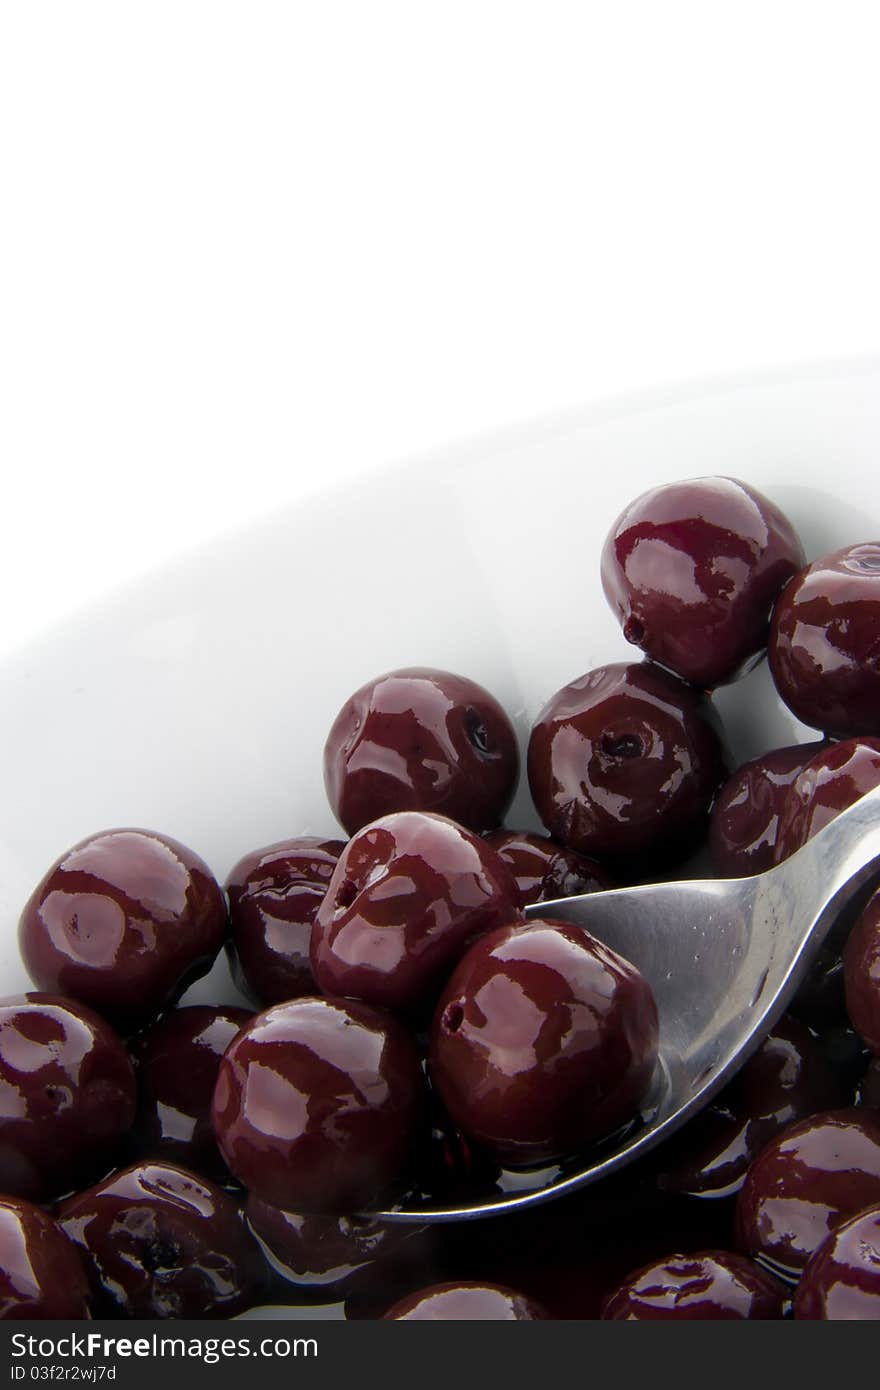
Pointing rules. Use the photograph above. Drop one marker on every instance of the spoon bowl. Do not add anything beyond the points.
(724, 958)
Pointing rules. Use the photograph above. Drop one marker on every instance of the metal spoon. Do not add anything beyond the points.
(724, 958)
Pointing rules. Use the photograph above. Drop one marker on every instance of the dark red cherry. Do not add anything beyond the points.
(41, 1273)
(745, 817)
(841, 1281)
(835, 777)
(861, 972)
(160, 1242)
(692, 570)
(545, 870)
(421, 740)
(177, 1060)
(274, 894)
(624, 762)
(832, 780)
(543, 1041)
(824, 647)
(711, 1284)
(67, 1096)
(409, 893)
(318, 1104)
(314, 1251)
(467, 1301)
(123, 922)
(805, 1183)
(786, 1079)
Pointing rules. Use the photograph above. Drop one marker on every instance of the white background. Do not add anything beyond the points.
(252, 249)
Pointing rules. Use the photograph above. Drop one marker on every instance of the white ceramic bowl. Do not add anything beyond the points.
(196, 702)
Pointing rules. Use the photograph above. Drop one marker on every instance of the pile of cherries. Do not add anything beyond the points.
(414, 1036)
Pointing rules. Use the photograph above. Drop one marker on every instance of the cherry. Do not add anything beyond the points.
(692, 570)
(624, 763)
(421, 740)
(274, 894)
(543, 1041)
(833, 779)
(466, 1301)
(67, 1096)
(787, 1079)
(861, 970)
(710, 1284)
(545, 870)
(318, 1103)
(177, 1060)
(805, 1182)
(824, 649)
(315, 1251)
(841, 1280)
(409, 893)
(123, 922)
(161, 1242)
(41, 1273)
(745, 817)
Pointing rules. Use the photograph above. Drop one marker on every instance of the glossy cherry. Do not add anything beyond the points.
(315, 1251)
(692, 570)
(861, 969)
(177, 1062)
(41, 1273)
(409, 893)
(824, 650)
(545, 870)
(543, 1041)
(833, 779)
(318, 1103)
(841, 1281)
(419, 739)
(470, 1301)
(787, 1079)
(624, 763)
(274, 894)
(123, 922)
(710, 1284)
(67, 1096)
(160, 1242)
(805, 1183)
(745, 817)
